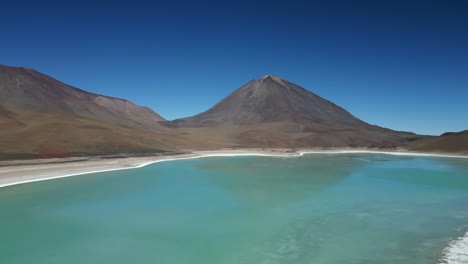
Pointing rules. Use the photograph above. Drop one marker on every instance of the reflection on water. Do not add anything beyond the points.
(278, 182)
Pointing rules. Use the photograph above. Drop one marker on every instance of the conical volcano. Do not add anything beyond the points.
(273, 112)
(273, 99)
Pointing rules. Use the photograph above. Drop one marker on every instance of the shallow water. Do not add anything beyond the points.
(319, 208)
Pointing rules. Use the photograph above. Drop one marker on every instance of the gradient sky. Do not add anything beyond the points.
(397, 64)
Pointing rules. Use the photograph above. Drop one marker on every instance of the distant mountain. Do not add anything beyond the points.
(450, 142)
(23, 89)
(273, 112)
(40, 116)
(272, 99)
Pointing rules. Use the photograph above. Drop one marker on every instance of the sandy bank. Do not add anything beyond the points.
(12, 173)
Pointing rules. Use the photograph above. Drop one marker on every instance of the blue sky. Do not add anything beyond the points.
(397, 64)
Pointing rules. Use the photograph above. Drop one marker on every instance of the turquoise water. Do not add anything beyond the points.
(319, 208)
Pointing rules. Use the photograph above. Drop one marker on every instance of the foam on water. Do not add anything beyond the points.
(456, 252)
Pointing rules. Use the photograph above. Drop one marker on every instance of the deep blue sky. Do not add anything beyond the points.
(402, 65)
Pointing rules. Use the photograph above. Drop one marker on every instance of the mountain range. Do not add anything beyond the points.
(43, 117)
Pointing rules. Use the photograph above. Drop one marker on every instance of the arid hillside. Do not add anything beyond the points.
(450, 142)
(43, 117)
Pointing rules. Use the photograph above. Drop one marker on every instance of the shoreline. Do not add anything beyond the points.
(16, 174)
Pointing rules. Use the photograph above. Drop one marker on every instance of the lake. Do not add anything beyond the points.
(318, 208)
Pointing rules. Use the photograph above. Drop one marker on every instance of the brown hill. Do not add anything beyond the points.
(40, 116)
(453, 142)
(26, 89)
(273, 112)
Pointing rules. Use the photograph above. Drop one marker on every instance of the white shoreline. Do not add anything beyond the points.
(24, 178)
(456, 252)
